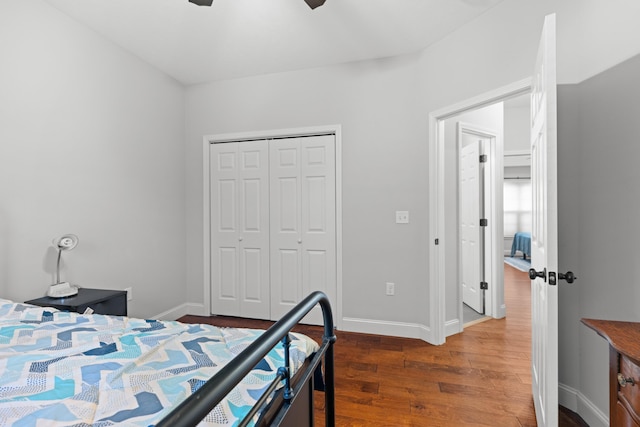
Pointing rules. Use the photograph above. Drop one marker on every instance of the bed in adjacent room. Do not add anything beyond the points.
(63, 368)
(521, 243)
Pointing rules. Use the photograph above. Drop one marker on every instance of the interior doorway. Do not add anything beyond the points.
(444, 271)
(475, 278)
(511, 118)
(503, 123)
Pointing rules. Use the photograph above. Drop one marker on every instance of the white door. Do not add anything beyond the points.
(544, 232)
(240, 229)
(470, 230)
(303, 222)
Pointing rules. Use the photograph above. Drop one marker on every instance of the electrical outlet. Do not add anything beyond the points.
(129, 293)
(402, 217)
(391, 288)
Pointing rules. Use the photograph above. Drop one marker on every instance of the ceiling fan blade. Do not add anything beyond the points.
(314, 3)
(311, 3)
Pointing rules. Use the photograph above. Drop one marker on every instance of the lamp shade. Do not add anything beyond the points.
(66, 242)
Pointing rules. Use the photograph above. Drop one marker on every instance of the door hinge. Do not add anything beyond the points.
(483, 158)
(484, 222)
(484, 285)
(437, 242)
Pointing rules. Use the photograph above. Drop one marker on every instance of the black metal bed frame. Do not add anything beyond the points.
(193, 409)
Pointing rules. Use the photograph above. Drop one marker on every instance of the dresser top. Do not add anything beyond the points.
(623, 336)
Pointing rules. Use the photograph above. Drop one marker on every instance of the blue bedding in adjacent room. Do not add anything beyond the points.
(62, 369)
(522, 243)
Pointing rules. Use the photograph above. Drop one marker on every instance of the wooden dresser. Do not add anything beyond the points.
(624, 369)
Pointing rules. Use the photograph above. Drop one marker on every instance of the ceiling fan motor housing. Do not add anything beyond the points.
(202, 2)
(314, 3)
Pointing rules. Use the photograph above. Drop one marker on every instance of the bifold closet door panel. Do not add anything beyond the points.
(240, 229)
(303, 223)
(318, 210)
(286, 239)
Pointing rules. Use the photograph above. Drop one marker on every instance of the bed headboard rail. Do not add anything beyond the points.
(193, 409)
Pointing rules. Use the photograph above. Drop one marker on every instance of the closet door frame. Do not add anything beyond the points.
(335, 130)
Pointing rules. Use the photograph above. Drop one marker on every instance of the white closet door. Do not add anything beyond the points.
(303, 222)
(240, 229)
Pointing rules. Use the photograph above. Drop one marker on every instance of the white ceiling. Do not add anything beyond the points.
(239, 38)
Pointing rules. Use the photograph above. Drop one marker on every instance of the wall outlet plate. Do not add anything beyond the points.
(129, 293)
(402, 217)
(391, 288)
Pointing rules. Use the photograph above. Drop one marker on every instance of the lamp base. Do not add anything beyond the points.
(62, 290)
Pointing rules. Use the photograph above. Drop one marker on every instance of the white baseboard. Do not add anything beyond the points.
(364, 326)
(452, 327)
(574, 400)
(502, 312)
(395, 329)
(182, 310)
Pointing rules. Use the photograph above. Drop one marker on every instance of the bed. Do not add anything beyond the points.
(67, 369)
(521, 243)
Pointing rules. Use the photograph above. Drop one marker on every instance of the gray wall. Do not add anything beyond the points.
(516, 125)
(90, 144)
(568, 245)
(134, 138)
(599, 207)
(383, 107)
(384, 169)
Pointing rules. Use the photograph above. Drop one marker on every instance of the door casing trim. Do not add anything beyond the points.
(436, 196)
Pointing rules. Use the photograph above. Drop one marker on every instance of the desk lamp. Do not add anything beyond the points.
(63, 289)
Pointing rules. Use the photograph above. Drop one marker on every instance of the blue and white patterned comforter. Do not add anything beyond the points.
(67, 369)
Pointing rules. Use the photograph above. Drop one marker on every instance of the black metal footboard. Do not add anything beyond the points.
(199, 404)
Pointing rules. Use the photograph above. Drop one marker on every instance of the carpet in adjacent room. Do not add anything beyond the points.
(518, 263)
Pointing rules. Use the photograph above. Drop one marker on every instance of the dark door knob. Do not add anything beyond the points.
(568, 276)
(533, 274)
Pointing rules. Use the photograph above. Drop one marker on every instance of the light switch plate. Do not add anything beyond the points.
(402, 217)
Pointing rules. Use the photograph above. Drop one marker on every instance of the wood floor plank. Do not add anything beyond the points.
(480, 377)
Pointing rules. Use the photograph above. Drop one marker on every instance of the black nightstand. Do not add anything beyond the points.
(102, 301)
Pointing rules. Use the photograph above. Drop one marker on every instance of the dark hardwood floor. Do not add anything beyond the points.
(480, 377)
